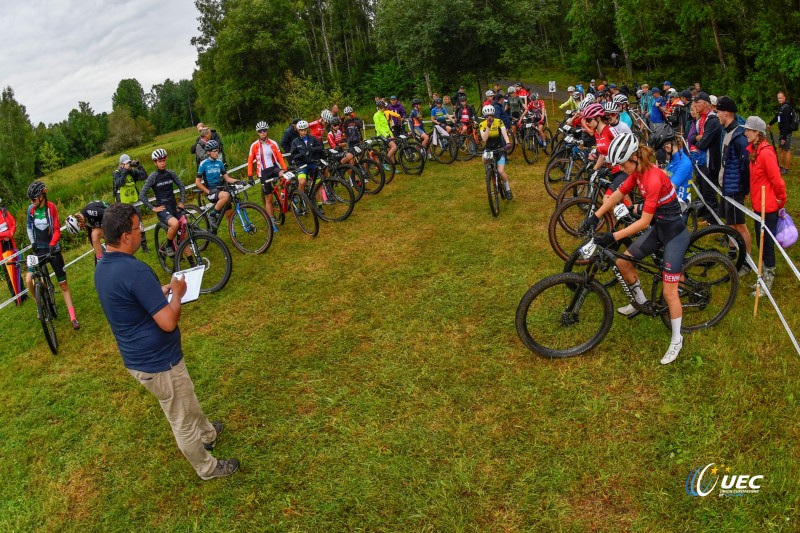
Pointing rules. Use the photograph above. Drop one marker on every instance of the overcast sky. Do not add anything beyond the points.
(57, 53)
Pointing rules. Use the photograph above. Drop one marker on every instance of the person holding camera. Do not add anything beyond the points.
(128, 173)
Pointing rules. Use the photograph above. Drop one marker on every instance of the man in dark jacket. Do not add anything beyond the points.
(784, 119)
(288, 136)
(734, 174)
(214, 136)
(707, 139)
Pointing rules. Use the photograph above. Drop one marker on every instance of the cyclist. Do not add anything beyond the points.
(289, 135)
(211, 177)
(382, 129)
(624, 116)
(337, 140)
(306, 151)
(352, 126)
(125, 189)
(440, 116)
(572, 101)
(612, 116)
(495, 137)
(417, 127)
(489, 98)
(90, 218)
(8, 247)
(165, 207)
(679, 169)
(661, 222)
(395, 122)
(44, 232)
(465, 115)
(269, 164)
(522, 93)
(536, 109)
(317, 128)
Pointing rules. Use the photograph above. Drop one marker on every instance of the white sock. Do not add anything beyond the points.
(508, 185)
(638, 293)
(676, 329)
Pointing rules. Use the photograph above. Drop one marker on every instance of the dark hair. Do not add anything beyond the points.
(118, 219)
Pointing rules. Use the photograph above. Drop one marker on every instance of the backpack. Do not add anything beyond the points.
(795, 120)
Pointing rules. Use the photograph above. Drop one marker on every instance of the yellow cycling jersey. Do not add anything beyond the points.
(495, 139)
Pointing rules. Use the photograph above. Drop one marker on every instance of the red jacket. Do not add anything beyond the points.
(257, 156)
(765, 171)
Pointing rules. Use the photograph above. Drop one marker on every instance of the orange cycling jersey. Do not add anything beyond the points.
(263, 158)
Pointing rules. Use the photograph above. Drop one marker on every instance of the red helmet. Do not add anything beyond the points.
(593, 110)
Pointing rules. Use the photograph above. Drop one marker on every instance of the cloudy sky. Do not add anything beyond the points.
(59, 52)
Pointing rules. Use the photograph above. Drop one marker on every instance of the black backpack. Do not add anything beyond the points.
(795, 120)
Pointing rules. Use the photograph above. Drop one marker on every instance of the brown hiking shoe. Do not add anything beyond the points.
(225, 467)
(218, 427)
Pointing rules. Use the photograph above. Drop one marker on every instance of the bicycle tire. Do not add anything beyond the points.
(549, 317)
(341, 194)
(713, 238)
(43, 308)
(51, 291)
(530, 148)
(352, 176)
(702, 306)
(373, 174)
(159, 241)
(196, 216)
(383, 160)
(575, 189)
(304, 213)
(277, 212)
(210, 251)
(548, 141)
(466, 147)
(513, 141)
(562, 228)
(250, 229)
(412, 159)
(559, 173)
(492, 191)
(442, 152)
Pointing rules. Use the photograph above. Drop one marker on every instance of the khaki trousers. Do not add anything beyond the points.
(175, 392)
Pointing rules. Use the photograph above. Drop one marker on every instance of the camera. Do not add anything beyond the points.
(134, 163)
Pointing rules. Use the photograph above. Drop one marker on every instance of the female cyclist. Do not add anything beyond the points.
(495, 136)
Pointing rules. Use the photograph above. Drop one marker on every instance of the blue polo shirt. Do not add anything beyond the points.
(211, 172)
(130, 294)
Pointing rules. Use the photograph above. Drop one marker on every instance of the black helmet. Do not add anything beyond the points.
(463, 98)
(335, 120)
(380, 103)
(416, 101)
(211, 146)
(662, 134)
(36, 189)
(437, 101)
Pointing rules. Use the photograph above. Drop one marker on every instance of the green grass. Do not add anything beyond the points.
(372, 379)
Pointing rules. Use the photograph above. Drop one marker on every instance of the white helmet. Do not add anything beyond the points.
(489, 93)
(584, 104)
(622, 148)
(610, 107)
(348, 110)
(262, 125)
(326, 115)
(570, 88)
(511, 89)
(488, 110)
(590, 98)
(620, 98)
(158, 153)
(73, 225)
(302, 125)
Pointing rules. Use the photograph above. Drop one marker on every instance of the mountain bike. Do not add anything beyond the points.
(373, 173)
(494, 187)
(332, 166)
(567, 166)
(287, 196)
(442, 147)
(194, 247)
(410, 154)
(377, 148)
(335, 197)
(45, 294)
(568, 314)
(249, 226)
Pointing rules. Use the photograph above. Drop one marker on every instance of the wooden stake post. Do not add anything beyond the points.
(761, 247)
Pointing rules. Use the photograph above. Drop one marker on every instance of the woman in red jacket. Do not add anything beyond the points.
(764, 171)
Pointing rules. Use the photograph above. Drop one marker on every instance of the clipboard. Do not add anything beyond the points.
(194, 278)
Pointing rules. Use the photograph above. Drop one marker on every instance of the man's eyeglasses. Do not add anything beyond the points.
(140, 228)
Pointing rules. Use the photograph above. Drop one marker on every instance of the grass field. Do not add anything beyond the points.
(371, 379)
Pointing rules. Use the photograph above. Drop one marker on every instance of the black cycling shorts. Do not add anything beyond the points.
(732, 214)
(168, 213)
(266, 175)
(56, 261)
(213, 195)
(674, 236)
(786, 142)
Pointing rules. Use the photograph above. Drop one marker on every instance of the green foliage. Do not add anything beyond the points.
(172, 105)
(17, 156)
(125, 131)
(85, 132)
(47, 158)
(388, 79)
(305, 98)
(130, 94)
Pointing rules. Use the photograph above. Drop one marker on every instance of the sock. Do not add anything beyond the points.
(216, 212)
(71, 311)
(638, 293)
(171, 243)
(508, 186)
(676, 330)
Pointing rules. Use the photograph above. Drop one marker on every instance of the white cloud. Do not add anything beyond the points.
(57, 53)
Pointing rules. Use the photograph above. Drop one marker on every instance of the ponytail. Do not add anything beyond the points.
(760, 138)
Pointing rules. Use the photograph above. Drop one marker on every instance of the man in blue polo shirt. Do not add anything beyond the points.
(145, 326)
(657, 109)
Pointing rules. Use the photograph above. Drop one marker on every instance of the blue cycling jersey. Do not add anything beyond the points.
(679, 171)
(438, 114)
(211, 172)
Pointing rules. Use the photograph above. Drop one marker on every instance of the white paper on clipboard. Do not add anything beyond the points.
(194, 278)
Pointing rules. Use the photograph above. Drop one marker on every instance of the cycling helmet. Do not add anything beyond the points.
(488, 110)
(158, 153)
(302, 125)
(593, 110)
(462, 98)
(534, 96)
(212, 145)
(348, 110)
(489, 93)
(662, 134)
(511, 89)
(622, 148)
(576, 95)
(584, 104)
(590, 98)
(437, 101)
(380, 103)
(620, 99)
(36, 189)
(570, 88)
(416, 101)
(73, 225)
(610, 107)
(262, 125)
(335, 120)
(326, 115)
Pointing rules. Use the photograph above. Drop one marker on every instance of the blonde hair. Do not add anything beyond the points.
(760, 138)
(646, 157)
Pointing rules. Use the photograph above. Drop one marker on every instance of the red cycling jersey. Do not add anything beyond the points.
(317, 129)
(335, 138)
(536, 109)
(655, 187)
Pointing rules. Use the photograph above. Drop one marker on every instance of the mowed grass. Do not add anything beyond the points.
(372, 379)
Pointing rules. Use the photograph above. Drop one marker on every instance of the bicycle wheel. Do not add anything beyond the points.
(548, 141)
(573, 190)
(530, 148)
(466, 147)
(338, 199)
(43, 310)
(562, 228)
(707, 292)
(277, 212)
(412, 159)
(723, 239)
(442, 152)
(559, 173)
(207, 250)
(563, 316)
(492, 190)
(51, 291)
(373, 174)
(250, 229)
(352, 176)
(304, 213)
(160, 242)
(196, 216)
(513, 138)
(389, 168)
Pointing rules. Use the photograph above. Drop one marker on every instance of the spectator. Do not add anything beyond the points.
(657, 109)
(128, 173)
(614, 62)
(703, 149)
(214, 136)
(713, 100)
(145, 325)
(8, 247)
(457, 95)
(289, 135)
(645, 100)
(697, 87)
(734, 173)
(579, 88)
(764, 171)
(783, 116)
(592, 87)
(200, 153)
(335, 111)
(447, 105)
(397, 123)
